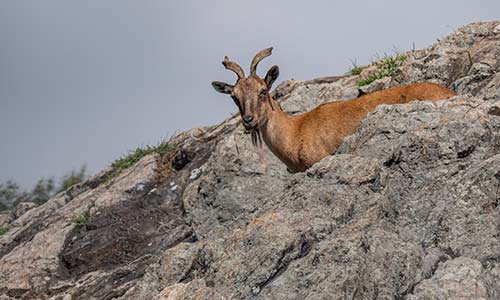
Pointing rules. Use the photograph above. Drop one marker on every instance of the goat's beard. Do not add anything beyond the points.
(257, 142)
(256, 137)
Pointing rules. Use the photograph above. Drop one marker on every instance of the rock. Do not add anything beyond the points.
(179, 263)
(195, 290)
(408, 207)
(5, 219)
(195, 174)
(376, 85)
(495, 109)
(459, 278)
(22, 208)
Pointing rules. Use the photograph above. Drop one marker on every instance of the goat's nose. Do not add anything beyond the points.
(247, 119)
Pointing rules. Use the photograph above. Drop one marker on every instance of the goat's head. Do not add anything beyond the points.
(251, 94)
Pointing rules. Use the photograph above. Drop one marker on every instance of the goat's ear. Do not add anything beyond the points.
(222, 87)
(272, 75)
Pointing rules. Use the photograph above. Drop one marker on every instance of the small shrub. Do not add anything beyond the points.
(73, 178)
(81, 220)
(385, 67)
(11, 194)
(43, 190)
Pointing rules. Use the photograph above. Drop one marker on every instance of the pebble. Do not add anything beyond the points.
(195, 174)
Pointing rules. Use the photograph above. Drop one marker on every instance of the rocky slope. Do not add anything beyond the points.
(407, 209)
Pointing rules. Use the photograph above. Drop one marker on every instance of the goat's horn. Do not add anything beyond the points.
(231, 65)
(258, 57)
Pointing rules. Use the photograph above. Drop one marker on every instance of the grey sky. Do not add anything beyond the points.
(86, 81)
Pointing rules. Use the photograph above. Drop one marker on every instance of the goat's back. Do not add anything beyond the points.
(404, 94)
(323, 129)
(397, 95)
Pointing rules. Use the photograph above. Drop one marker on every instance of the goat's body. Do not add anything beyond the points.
(302, 140)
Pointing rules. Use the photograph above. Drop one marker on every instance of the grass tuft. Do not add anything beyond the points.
(386, 67)
(3, 230)
(134, 156)
(80, 220)
(356, 70)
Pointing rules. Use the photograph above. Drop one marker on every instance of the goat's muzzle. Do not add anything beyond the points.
(249, 122)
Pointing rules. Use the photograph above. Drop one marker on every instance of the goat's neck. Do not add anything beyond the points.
(279, 134)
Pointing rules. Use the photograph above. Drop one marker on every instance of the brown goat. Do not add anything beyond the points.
(299, 141)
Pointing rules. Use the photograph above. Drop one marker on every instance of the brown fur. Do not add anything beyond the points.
(302, 140)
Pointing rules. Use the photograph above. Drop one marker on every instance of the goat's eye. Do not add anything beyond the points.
(263, 92)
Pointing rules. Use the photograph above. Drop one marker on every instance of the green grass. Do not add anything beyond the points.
(356, 70)
(134, 156)
(386, 67)
(81, 220)
(3, 230)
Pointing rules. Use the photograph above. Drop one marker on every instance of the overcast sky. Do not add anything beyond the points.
(83, 82)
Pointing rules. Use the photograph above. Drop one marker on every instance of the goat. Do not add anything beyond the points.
(299, 141)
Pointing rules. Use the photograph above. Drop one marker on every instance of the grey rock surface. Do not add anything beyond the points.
(408, 207)
(5, 219)
(22, 208)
